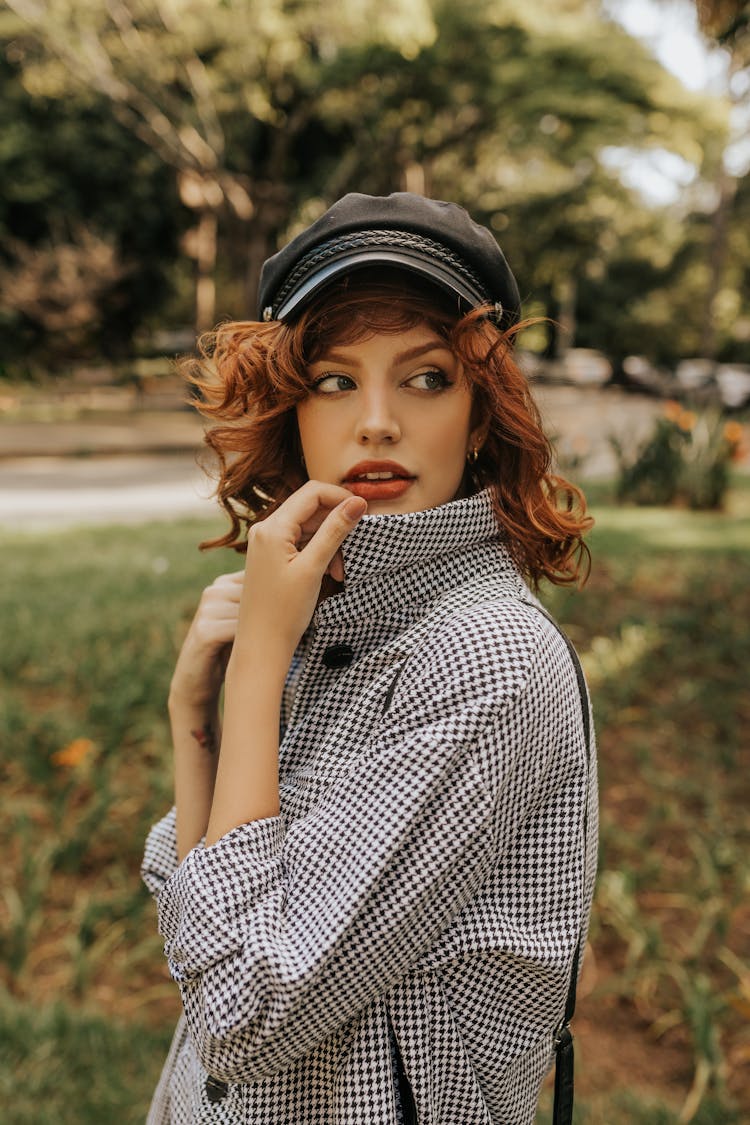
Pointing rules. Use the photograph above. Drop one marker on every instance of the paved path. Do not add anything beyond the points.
(44, 493)
(107, 431)
(140, 467)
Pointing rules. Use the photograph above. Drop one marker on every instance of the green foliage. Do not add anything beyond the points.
(89, 225)
(517, 139)
(685, 460)
(263, 113)
(633, 1107)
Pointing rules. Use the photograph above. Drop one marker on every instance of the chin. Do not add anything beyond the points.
(388, 508)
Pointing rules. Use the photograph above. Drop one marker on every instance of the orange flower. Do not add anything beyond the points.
(686, 420)
(74, 753)
(672, 410)
(733, 433)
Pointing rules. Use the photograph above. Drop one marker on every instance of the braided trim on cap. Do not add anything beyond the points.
(399, 240)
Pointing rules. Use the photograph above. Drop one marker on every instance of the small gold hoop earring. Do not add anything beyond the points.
(473, 455)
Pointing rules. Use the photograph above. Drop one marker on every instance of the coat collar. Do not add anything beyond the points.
(393, 561)
(380, 545)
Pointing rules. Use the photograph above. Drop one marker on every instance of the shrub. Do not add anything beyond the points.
(685, 460)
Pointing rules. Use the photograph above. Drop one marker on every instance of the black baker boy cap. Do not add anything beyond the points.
(438, 241)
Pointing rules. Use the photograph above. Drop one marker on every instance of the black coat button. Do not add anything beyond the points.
(216, 1089)
(338, 656)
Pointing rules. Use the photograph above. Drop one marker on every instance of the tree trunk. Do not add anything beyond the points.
(565, 295)
(726, 186)
(258, 249)
(717, 256)
(415, 180)
(205, 285)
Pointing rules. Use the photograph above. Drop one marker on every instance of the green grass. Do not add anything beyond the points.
(91, 623)
(67, 1067)
(663, 530)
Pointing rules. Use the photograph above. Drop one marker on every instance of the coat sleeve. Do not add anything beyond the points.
(278, 935)
(160, 854)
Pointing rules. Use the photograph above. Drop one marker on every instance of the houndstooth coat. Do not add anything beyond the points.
(426, 883)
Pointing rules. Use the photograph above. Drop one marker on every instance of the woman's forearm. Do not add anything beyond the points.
(288, 556)
(196, 736)
(247, 779)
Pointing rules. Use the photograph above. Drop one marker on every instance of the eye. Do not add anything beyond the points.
(331, 384)
(432, 380)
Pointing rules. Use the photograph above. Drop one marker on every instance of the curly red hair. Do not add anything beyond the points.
(251, 375)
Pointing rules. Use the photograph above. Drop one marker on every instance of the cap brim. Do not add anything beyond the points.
(358, 260)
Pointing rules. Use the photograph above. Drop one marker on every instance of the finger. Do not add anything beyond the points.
(228, 583)
(224, 632)
(212, 635)
(229, 579)
(326, 541)
(336, 567)
(311, 525)
(223, 593)
(210, 628)
(226, 621)
(304, 511)
(227, 596)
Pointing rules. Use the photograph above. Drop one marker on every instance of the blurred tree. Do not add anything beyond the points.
(177, 71)
(266, 110)
(88, 220)
(727, 23)
(550, 87)
(507, 109)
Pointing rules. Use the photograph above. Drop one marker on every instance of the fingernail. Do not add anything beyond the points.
(354, 508)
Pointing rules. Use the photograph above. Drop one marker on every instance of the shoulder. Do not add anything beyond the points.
(490, 652)
(496, 632)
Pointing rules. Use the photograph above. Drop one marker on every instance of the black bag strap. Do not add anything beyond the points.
(562, 1112)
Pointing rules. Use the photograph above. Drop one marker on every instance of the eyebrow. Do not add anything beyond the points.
(436, 344)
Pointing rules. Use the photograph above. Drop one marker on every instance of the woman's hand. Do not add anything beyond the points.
(288, 556)
(278, 598)
(202, 662)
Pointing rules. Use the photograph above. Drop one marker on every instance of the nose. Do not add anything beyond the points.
(377, 422)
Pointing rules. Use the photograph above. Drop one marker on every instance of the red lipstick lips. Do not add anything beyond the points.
(378, 480)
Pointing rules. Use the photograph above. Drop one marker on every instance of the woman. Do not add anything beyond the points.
(373, 896)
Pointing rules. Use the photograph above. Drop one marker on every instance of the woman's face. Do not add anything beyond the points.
(389, 418)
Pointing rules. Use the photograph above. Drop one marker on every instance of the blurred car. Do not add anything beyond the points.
(640, 374)
(585, 367)
(580, 366)
(533, 365)
(695, 374)
(733, 383)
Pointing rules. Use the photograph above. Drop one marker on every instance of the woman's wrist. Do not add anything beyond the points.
(196, 727)
(258, 664)
(183, 700)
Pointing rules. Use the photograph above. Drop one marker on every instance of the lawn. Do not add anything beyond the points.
(91, 621)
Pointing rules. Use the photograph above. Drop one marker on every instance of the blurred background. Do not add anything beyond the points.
(152, 154)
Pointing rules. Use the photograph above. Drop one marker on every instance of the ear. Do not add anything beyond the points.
(480, 420)
(478, 435)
